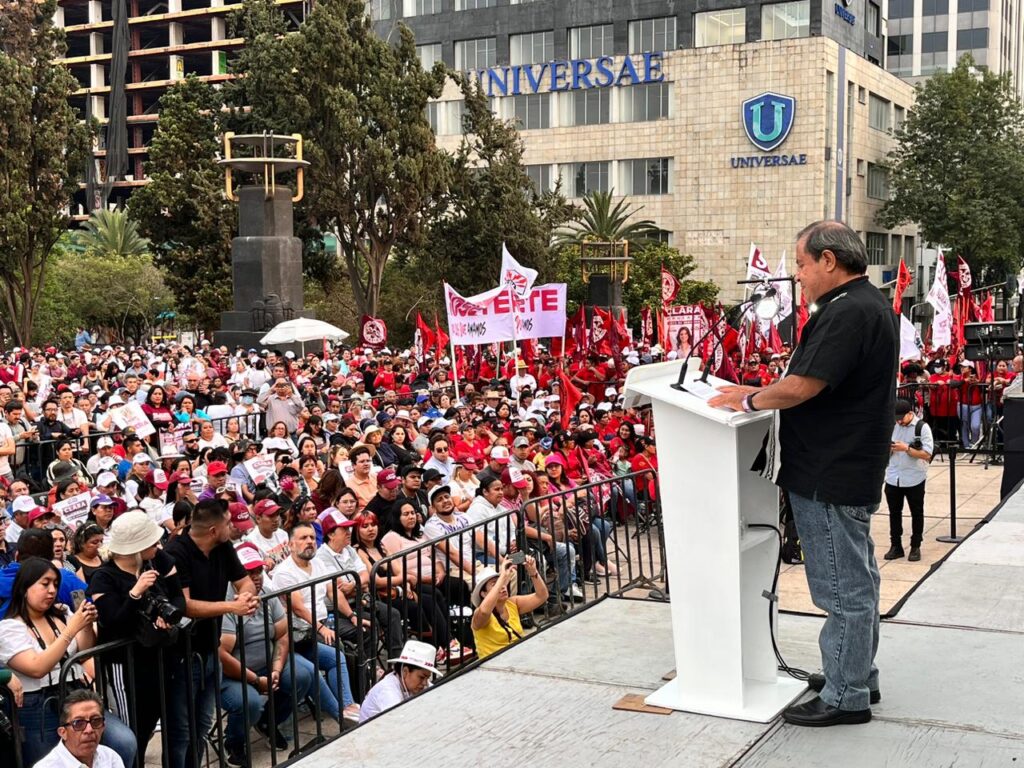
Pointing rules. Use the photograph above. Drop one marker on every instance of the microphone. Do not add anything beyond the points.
(753, 301)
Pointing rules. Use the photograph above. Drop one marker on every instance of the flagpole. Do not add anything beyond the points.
(455, 367)
(515, 341)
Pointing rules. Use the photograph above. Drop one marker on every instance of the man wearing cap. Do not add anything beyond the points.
(445, 520)
(520, 458)
(338, 554)
(388, 483)
(20, 508)
(496, 463)
(412, 489)
(104, 453)
(216, 477)
(911, 451)
(241, 521)
(141, 465)
(413, 670)
(206, 563)
(267, 536)
(263, 676)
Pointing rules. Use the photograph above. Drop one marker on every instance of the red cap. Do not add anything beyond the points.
(388, 479)
(266, 508)
(179, 477)
(240, 517)
(158, 478)
(216, 468)
(333, 521)
(38, 512)
(513, 476)
(249, 556)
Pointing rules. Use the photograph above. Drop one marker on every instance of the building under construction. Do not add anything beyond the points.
(125, 54)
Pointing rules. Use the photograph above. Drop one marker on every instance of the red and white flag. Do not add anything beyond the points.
(904, 277)
(757, 265)
(964, 270)
(669, 286)
(938, 297)
(373, 333)
(514, 276)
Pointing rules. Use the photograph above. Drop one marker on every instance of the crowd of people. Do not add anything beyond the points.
(244, 504)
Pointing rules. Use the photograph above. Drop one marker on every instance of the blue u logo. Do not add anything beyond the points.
(767, 119)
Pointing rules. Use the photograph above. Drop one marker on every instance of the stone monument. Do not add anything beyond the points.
(266, 257)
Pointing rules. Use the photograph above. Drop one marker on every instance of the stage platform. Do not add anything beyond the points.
(952, 683)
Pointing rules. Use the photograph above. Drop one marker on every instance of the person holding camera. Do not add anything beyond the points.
(496, 619)
(911, 451)
(138, 596)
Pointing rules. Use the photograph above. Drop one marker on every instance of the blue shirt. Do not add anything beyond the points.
(904, 470)
(69, 582)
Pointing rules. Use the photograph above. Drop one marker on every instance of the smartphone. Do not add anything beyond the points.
(517, 558)
(77, 597)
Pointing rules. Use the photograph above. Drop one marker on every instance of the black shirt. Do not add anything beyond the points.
(835, 446)
(206, 578)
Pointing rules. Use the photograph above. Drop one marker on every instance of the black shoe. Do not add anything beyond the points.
(894, 552)
(816, 683)
(236, 756)
(915, 554)
(277, 739)
(817, 714)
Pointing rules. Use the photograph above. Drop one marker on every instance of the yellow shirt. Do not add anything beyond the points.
(493, 637)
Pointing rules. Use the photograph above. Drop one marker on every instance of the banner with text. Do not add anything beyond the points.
(499, 315)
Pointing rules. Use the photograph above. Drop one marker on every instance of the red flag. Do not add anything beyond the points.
(373, 332)
(568, 397)
(964, 275)
(801, 315)
(904, 277)
(601, 332)
(575, 335)
(646, 326)
(669, 286)
(527, 352)
(774, 340)
(440, 338)
(987, 310)
(424, 337)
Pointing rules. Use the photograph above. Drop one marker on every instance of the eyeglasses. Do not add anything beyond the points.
(190, 442)
(79, 723)
(439, 449)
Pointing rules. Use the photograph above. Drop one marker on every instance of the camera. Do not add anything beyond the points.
(159, 607)
(917, 445)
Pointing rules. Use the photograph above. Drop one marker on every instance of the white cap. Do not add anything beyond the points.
(142, 458)
(610, 392)
(105, 442)
(416, 653)
(106, 478)
(23, 504)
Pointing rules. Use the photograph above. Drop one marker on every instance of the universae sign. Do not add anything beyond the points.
(767, 120)
(572, 74)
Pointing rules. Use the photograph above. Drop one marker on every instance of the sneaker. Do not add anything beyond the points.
(351, 713)
(236, 757)
(276, 738)
(575, 593)
(915, 554)
(895, 552)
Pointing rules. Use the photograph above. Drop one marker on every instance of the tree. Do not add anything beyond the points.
(44, 148)
(111, 234)
(182, 210)
(360, 103)
(958, 168)
(606, 223)
(490, 200)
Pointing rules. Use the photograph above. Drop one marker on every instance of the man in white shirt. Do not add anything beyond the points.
(72, 417)
(81, 728)
(521, 380)
(7, 450)
(445, 520)
(414, 668)
(104, 451)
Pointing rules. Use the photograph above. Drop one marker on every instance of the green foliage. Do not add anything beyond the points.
(111, 234)
(183, 210)
(604, 222)
(643, 289)
(360, 103)
(118, 295)
(44, 149)
(490, 200)
(958, 168)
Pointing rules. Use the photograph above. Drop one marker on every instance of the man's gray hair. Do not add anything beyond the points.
(835, 236)
(78, 696)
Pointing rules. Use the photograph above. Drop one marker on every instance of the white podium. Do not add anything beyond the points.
(718, 568)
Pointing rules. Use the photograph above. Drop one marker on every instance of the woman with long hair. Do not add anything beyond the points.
(157, 409)
(400, 442)
(85, 550)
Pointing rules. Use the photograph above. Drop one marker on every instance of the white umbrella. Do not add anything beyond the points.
(302, 329)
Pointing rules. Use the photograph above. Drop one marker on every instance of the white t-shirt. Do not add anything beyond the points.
(59, 757)
(5, 435)
(387, 693)
(74, 420)
(158, 510)
(462, 545)
(288, 574)
(16, 637)
(274, 549)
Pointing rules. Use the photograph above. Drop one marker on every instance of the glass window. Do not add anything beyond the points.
(781, 21)
(899, 117)
(901, 9)
(645, 177)
(878, 113)
(470, 5)
(532, 48)
(720, 27)
(591, 42)
(876, 245)
(475, 54)
(591, 106)
(429, 54)
(420, 7)
(662, 236)
(652, 35)
(585, 178)
(934, 7)
(878, 182)
(648, 101)
(934, 42)
(532, 110)
(434, 116)
(900, 45)
(540, 175)
(378, 9)
(966, 39)
(451, 117)
(873, 20)
(966, 6)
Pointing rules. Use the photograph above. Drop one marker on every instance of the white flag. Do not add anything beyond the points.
(757, 266)
(938, 297)
(785, 289)
(910, 341)
(514, 276)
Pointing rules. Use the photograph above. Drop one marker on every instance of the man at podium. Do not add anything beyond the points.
(829, 447)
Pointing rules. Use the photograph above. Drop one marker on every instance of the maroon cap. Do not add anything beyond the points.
(388, 479)
(333, 521)
(266, 508)
(216, 468)
(249, 555)
(240, 517)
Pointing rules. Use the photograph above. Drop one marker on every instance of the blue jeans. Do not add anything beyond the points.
(185, 704)
(565, 562)
(970, 424)
(286, 694)
(839, 559)
(38, 718)
(603, 528)
(333, 664)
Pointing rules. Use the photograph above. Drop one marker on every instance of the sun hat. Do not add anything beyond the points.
(133, 532)
(416, 653)
(483, 578)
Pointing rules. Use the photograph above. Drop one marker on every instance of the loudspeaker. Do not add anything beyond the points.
(1013, 444)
